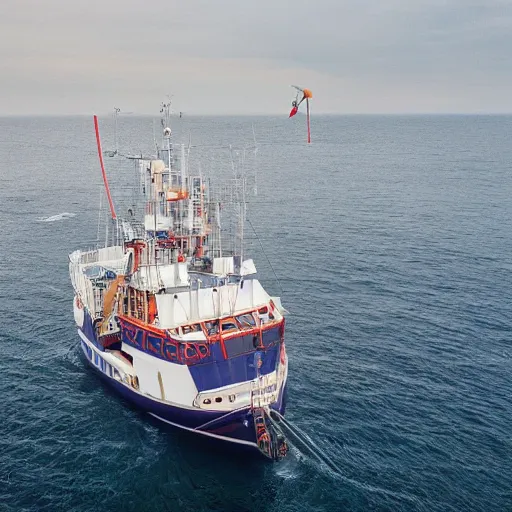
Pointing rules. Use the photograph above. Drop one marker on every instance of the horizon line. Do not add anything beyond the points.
(284, 115)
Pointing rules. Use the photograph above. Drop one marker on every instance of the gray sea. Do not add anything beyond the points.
(390, 238)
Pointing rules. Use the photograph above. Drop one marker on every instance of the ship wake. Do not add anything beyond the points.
(55, 218)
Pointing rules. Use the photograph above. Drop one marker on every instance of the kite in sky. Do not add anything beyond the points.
(306, 95)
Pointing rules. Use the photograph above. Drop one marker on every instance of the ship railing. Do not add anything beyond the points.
(111, 253)
(132, 230)
(90, 289)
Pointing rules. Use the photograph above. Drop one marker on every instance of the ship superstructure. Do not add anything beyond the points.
(172, 314)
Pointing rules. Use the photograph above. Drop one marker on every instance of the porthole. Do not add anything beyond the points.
(207, 401)
(232, 398)
(218, 399)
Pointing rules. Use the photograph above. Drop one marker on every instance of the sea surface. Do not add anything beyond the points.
(390, 238)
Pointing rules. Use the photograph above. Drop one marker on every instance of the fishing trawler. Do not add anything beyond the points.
(173, 317)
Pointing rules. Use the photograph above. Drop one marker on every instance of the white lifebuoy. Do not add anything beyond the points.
(78, 312)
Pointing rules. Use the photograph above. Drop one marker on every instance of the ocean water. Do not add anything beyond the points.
(391, 241)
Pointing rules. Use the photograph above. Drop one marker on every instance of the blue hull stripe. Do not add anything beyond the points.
(235, 426)
(209, 434)
(241, 368)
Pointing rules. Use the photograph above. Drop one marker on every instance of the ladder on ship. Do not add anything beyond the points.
(270, 440)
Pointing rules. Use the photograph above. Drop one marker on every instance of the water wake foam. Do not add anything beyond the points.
(54, 218)
(307, 447)
(303, 442)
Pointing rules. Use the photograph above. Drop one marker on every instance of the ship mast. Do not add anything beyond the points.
(103, 173)
(182, 213)
(116, 139)
(242, 204)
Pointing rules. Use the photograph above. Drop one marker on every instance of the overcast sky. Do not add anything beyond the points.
(240, 56)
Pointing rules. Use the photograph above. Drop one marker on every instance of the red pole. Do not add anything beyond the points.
(307, 117)
(105, 181)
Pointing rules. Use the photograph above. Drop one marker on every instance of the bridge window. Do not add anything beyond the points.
(246, 321)
(191, 328)
(229, 325)
(212, 327)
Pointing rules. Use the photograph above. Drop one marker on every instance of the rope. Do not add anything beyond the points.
(262, 248)
(302, 439)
